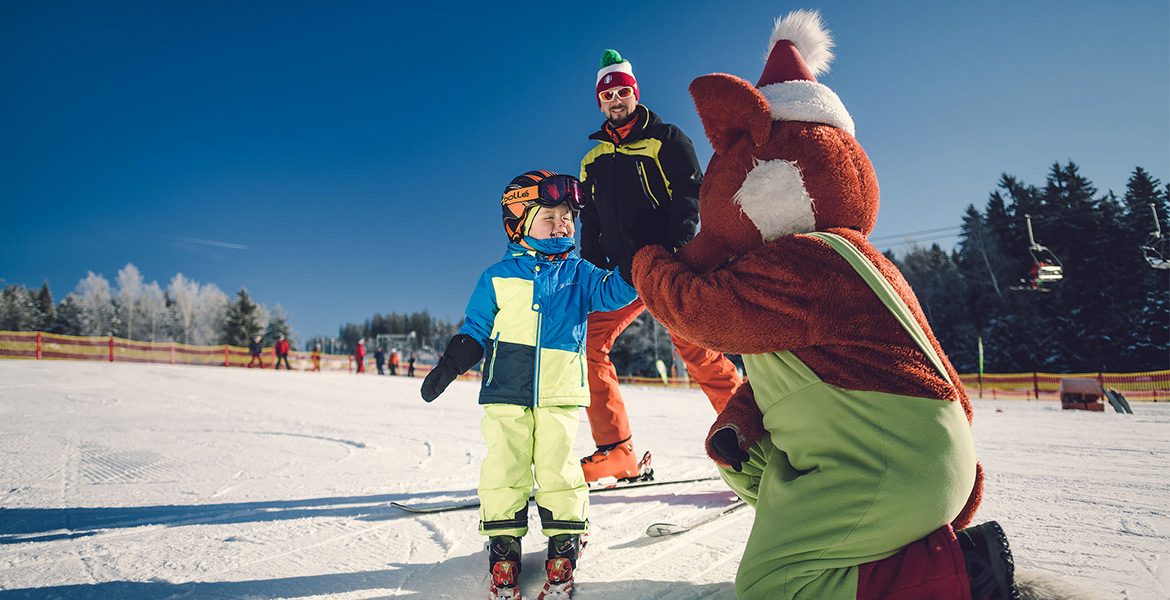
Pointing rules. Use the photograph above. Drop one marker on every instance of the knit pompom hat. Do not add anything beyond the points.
(615, 72)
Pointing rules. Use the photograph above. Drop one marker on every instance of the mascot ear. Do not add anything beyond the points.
(731, 107)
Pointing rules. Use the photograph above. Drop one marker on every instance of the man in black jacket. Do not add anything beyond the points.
(645, 178)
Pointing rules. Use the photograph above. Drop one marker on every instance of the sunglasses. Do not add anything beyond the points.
(622, 92)
(550, 192)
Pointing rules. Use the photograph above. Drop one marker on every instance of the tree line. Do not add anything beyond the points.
(1109, 313)
(185, 311)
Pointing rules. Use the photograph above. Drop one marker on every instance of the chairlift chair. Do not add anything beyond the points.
(1156, 249)
(1046, 267)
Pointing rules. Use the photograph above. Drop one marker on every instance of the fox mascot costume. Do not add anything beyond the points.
(852, 437)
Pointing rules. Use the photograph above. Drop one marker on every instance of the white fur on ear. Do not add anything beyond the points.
(773, 196)
(807, 32)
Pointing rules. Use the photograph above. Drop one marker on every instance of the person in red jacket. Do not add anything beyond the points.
(282, 349)
(359, 355)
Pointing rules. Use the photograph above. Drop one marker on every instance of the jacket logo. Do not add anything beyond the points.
(515, 195)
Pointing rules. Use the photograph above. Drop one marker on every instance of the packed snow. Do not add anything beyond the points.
(145, 482)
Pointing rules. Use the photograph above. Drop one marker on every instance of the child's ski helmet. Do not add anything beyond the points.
(534, 189)
(517, 225)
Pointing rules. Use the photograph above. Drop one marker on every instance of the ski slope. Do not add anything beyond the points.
(143, 482)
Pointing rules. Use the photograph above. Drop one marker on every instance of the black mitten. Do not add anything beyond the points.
(725, 442)
(461, 354)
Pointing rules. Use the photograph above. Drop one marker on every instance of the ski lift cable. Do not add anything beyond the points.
(912, 233)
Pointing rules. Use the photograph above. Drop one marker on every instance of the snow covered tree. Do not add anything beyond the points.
(210, 312)
(129, 292)
(17, 309)
(96, 303)
(184, 295)
(152, 310)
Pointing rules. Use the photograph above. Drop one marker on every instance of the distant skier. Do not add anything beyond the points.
(530, 309)
(282, 349)
(317, 357)
(255, 348)
(394, 361)
(410, 365)
(380, 360)
(359, 355)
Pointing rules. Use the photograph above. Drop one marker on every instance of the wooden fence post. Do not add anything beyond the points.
(111, 348)
(1036, 384)
(38, 345)
(172, 353)
(225, 356)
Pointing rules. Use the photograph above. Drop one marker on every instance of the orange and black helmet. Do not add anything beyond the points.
(528, 192)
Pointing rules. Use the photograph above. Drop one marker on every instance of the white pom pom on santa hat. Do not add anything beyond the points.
(799, 49)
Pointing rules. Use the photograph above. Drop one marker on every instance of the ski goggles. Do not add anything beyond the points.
(550, 192)
(622, 92)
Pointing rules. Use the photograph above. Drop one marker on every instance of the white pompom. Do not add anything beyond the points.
(806, 31)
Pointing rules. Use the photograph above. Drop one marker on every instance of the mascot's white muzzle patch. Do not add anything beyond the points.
(773, 196)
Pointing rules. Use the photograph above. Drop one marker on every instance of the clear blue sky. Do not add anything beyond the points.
(346, 158)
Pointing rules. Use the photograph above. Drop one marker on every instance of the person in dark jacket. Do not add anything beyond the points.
(645, 179)
(380, 360)
(255, 348)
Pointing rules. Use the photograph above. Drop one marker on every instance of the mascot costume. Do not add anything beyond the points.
(852, 436)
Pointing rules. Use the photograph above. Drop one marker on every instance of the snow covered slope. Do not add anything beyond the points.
(141, 482)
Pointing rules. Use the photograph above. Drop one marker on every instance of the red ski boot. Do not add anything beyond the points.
(563, 552)
(504, 562)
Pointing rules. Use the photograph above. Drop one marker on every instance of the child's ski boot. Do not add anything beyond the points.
(504, 566)
(989, 563)
(563, 552)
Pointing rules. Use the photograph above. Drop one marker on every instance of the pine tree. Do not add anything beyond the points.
(241, 323)
(278, 326)
(46, 311)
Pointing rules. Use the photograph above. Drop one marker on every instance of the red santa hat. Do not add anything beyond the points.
(799, 49)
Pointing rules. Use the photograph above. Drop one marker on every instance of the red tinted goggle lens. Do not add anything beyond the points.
(559, 189)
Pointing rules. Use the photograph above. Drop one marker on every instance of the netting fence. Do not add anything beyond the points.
(1149, 386)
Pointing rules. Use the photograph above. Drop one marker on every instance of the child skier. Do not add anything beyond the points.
(530, 311)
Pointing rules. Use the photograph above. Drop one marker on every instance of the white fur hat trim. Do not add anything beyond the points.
(807, 101)
(773, 196)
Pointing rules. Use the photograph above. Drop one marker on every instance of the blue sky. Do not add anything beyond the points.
(345, 158)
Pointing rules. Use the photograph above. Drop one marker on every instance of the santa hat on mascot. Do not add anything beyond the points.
(802, 191)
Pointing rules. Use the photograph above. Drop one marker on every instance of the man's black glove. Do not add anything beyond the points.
(461, 354)
(625, 268)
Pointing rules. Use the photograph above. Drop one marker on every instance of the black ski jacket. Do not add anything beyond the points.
(645, 191)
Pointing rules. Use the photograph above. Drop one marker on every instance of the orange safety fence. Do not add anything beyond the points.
(1151, 386)
(37, 345)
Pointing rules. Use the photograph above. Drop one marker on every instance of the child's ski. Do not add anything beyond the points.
(463, 505)
(664, 529)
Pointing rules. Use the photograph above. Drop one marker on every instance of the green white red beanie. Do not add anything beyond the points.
(615, 72)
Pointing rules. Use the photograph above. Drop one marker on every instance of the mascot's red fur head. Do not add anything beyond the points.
(785, 157)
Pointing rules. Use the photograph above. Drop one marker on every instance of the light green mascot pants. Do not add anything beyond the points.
(523, 442)
(844, 478)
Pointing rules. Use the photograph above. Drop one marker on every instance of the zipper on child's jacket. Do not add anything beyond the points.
(536, 373)
(492, 363)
